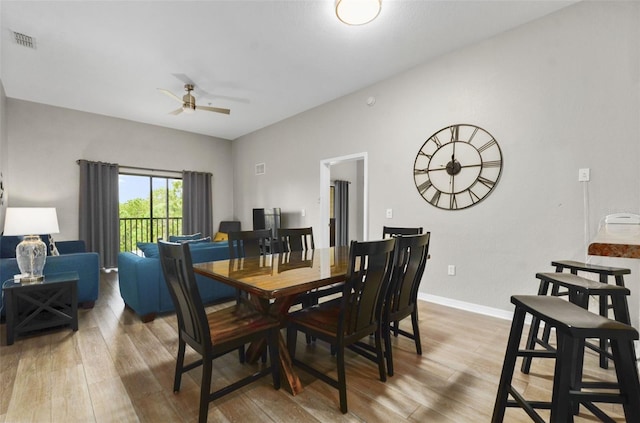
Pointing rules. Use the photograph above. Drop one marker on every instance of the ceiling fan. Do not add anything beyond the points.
(189, 102)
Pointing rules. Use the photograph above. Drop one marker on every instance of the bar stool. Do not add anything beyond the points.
(603, 272)
(573, 325)
(579, 290)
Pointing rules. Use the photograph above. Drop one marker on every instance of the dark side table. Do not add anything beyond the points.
(40, 305)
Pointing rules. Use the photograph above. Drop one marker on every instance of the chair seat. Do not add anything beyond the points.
(321, 317)
(237, 321)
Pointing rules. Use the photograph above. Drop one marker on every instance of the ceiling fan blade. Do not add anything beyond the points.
(176, 111)
(184, 78)
(170, 94)
(214, 109)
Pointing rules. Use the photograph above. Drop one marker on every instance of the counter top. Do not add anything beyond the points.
(616, 240)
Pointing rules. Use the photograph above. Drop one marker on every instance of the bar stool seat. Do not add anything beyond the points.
(579, 290)
(602, 271)
(573, 324)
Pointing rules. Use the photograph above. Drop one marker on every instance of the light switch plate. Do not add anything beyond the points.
(583, 175)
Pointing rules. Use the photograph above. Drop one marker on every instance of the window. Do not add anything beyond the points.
(150, 208)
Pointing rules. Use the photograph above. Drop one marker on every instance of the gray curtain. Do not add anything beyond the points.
(197, 203)
(341, 212)
(99, 220)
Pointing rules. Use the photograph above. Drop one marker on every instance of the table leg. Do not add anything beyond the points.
(287, 368)
(279, 309)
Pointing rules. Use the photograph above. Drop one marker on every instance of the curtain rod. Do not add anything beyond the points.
(146, 168)
(150, 169)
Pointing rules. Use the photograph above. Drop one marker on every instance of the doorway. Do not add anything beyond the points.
(361, 185)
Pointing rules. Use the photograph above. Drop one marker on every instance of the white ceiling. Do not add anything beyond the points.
(265, 60)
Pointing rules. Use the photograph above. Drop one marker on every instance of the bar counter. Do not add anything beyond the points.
(616, 240)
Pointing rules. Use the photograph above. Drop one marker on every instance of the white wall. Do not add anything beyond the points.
(51, 139)
(559, 94)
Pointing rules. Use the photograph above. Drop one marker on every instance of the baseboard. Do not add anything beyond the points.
(463, 305)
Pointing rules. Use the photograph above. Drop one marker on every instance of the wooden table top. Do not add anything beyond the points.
(616, 240)
(280, 275)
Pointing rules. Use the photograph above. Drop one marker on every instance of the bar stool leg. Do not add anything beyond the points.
(546, 334)
(508, 366)
(627, 372)
(533, 331)
(567, 353)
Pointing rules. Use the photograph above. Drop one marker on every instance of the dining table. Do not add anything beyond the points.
(274, 282)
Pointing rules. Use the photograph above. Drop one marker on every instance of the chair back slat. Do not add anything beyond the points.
(249, 243)
(177, 267)
(367, 279)
(295, 239)
(410, 258)
(389, 231)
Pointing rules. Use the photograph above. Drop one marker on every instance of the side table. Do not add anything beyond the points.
(46, 304)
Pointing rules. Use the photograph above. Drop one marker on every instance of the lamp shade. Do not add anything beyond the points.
(31, 221)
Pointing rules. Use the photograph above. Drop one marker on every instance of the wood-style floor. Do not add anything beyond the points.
(118, 369)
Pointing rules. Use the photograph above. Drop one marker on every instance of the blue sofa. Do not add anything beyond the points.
(142, 284)
(73, 257)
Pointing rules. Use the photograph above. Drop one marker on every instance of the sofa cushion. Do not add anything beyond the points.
(149, 249)
(182, 238)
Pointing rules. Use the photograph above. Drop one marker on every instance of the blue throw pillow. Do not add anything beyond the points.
(149, 249)
(8, 245)
(182, 238)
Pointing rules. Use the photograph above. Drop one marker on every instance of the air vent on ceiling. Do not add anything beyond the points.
(260, 169)
(24, 40)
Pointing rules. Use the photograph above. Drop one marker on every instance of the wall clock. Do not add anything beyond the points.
(457, 167)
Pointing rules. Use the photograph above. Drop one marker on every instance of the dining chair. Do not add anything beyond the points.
(344, 321)
(409, 261)
(214, 334)
(295, 239)
(249, 243)
(389, 231)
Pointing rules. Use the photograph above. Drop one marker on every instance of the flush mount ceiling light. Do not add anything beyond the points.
(357, 12)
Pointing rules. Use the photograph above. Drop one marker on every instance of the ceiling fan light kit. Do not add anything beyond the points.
(358, 12)
(189, 102)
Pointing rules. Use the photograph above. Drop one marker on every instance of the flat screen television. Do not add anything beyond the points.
(267, 219)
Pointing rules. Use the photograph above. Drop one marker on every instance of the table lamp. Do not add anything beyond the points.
(31, 253)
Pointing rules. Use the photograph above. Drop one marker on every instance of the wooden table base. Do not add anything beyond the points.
(279, 309)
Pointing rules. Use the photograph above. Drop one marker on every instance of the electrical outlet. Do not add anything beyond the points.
(389, 213)
(303, 212)
(583, 175)
(451, 270)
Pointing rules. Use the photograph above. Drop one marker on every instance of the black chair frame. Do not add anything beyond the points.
(344, 321)
(410, 260)
(239, 325)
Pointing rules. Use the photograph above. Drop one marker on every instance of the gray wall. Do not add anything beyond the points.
(51, 139)
(558, 94)
(4, 156)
